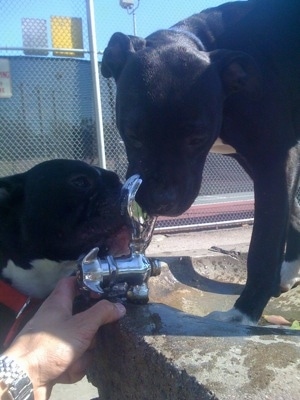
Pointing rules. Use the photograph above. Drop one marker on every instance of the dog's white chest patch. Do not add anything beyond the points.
(222, 148)
(41, 279)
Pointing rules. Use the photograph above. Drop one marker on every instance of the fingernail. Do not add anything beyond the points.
(121, 308)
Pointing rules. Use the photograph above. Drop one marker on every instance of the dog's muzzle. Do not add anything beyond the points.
(123, 277)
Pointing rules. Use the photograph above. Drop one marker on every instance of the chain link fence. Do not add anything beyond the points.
(48, 113)
(46, 103)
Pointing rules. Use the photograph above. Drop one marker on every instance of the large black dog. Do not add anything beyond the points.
(50, 216)
(230, 73)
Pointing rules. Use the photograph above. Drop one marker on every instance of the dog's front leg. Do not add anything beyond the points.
(268, 239)
(266, 247)
(290, 270)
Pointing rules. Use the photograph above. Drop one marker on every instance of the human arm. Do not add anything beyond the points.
(55, 346)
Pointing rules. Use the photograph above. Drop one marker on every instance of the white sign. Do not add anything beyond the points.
(5, 79)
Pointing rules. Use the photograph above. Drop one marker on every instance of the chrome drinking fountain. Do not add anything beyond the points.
(123, 277)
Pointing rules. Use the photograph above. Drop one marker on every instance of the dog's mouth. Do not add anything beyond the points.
(102, 225)
(117, 243)
(112, 241)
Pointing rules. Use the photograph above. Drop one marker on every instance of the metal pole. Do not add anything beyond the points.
(95, 81)
(134, 23)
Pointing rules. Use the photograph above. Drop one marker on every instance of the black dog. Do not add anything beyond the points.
(50, 216)
(230, 73)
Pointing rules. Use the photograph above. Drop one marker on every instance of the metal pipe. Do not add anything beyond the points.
(49, 49)
(134, 23)
(95, 81)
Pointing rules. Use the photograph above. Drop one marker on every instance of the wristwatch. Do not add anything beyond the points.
(18, 384)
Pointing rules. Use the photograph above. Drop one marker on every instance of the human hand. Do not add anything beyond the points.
(55, 346)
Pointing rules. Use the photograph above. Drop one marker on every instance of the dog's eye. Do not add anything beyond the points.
(81, 182)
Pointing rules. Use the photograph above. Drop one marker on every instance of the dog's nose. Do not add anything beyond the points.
(159, 202)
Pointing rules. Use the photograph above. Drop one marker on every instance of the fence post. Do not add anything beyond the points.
(95, 82)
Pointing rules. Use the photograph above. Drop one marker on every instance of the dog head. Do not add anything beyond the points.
(59, 210)
(170, 96)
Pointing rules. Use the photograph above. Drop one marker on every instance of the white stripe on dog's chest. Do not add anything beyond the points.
(41, 279)
(220, 147)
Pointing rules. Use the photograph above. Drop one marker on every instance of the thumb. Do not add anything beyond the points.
(99, 314)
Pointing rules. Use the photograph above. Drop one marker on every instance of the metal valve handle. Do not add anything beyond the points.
(124, 276)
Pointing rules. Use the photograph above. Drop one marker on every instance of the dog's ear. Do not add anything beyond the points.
(117, 51)
(11, 189)
(238, 72)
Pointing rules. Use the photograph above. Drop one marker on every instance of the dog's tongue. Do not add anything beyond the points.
(118, 244)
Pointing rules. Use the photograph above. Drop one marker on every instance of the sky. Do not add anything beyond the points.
(151, 15)
(110, 17)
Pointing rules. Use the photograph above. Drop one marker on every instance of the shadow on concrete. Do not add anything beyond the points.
(209, 274)
(159, 319)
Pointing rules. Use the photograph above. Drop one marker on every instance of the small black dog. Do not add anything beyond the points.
(52, 214)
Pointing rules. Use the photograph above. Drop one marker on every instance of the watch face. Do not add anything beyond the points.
(18, 383)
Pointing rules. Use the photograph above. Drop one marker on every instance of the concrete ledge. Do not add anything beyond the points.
(129, 367)
(158, 353)
(168, 350)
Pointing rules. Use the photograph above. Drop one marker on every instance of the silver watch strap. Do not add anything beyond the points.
(18, 383)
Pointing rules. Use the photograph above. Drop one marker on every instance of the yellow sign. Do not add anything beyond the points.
(5, 79)
(66, 33)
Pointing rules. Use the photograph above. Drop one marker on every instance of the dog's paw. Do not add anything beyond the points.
(233, 316)
(290, 275)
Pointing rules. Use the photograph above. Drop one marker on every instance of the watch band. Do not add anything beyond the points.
(17, 381)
